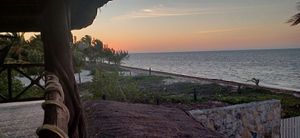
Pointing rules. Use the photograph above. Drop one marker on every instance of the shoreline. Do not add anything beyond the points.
(208, 80)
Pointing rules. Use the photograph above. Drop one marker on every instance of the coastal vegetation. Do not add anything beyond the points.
(114, 84)
(95, 51)
(23, 51)
(87, 50)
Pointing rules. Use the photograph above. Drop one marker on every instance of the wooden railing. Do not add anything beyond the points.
(18, 68)
(57, 115)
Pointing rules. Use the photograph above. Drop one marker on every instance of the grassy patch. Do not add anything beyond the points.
(202, 90)
(146, 83)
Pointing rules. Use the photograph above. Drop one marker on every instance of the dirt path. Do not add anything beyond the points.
(116, 119)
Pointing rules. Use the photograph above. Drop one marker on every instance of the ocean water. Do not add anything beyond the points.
(278, 68)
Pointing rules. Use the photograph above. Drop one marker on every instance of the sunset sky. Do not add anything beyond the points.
(195, 25)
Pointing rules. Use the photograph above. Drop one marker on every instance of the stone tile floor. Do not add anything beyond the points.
(20, 119)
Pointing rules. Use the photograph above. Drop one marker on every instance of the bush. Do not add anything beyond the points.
(114, 87)
(105, 83)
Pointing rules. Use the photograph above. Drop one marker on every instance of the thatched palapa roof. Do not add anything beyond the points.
(25, 15)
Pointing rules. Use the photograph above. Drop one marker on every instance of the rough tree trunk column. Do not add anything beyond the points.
(56, 36)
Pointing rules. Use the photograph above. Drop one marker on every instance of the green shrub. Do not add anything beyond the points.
(114, 87)
(105, 83)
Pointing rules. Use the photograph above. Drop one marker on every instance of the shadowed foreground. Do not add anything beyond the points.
(116, 119)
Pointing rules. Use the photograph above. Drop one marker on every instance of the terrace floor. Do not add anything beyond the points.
(107, 119)
(20, 119)
(119, 119)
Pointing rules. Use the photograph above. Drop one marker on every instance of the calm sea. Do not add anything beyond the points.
(275, 68)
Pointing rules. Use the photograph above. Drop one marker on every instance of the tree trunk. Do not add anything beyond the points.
(56, 36)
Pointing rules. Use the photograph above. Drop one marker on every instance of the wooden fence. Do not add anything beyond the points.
(13, 96)
(290, 127)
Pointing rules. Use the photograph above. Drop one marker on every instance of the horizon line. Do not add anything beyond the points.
(225, 50)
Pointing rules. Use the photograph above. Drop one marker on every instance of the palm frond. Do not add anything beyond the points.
(295, 20)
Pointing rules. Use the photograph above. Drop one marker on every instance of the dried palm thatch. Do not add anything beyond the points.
(295, 20)
(84, 12)
(26, 15)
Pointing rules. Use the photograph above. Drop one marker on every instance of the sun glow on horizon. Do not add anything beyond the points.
(195, 25)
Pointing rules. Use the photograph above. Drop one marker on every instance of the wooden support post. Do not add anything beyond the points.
(56, 115)
(56, 36)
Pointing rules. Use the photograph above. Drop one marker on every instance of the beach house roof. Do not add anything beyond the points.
(26, 15)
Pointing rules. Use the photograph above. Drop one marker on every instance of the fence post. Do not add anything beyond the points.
(103, 97)
(149, 71)
(239, 89)
(195, 94)
(157, 101)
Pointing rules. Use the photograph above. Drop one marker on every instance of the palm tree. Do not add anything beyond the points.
(295, 20)
(98, 45)
(6, 42)
(87, 40)
(78, 61)
(90, 50)
(17, 52)
(35, 51)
